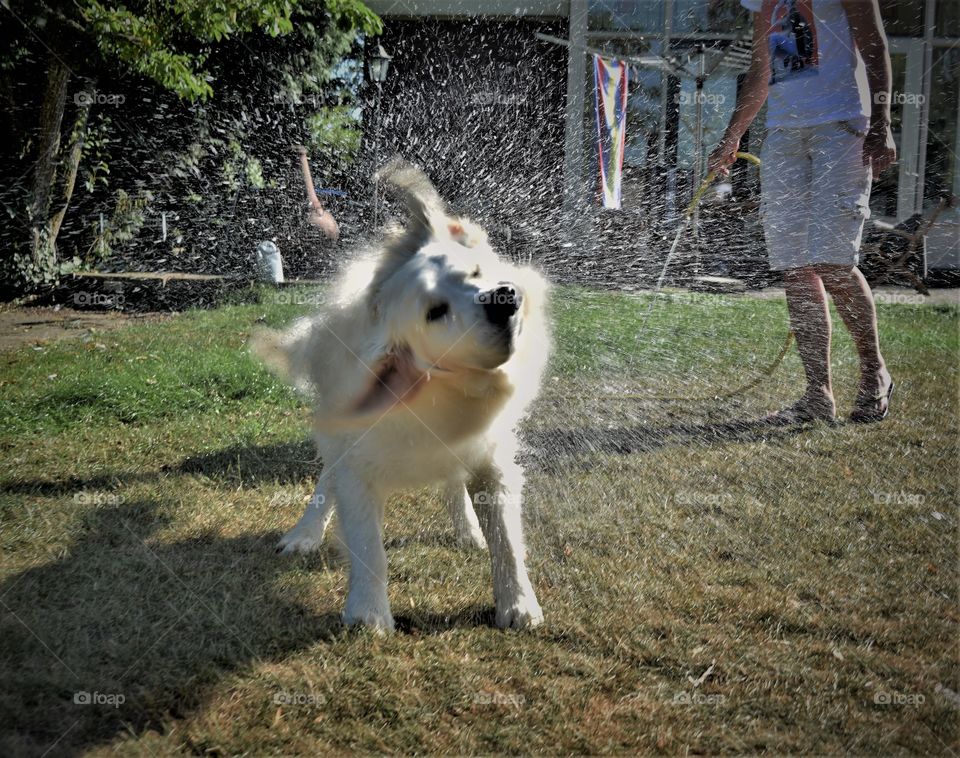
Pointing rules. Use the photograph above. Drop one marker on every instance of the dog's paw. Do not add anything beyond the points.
(379, 619)
(523, 613)
(298, 541)
(472, 539)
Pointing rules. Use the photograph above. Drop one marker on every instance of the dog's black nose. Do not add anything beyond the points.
(501, 303)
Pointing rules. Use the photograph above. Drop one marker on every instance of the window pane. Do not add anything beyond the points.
(947, 18)
(903, 18)
(941, 167)
(625, 15)
(717, 99)
(691, 16)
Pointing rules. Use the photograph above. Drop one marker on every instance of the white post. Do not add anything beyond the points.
(669, 171)
(573, 184)
(665, 81)
(163, 226)
(909, 188)
(698, 143)
(102, 228)
(928, 30)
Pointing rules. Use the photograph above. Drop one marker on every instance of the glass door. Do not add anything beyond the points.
(897, 193)
(941, 176)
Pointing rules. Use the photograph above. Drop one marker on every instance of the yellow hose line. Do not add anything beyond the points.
(708, 180)
(746, 386)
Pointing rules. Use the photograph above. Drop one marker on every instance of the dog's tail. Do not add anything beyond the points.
(279, 351)
(429, 216)
(267, 345)
(414, 188)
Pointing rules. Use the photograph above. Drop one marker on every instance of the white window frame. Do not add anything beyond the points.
(909, 181)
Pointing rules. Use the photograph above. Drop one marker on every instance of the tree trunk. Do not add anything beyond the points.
(45, 169)
(77, 137)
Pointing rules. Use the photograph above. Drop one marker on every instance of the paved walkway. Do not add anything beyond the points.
(39, 326)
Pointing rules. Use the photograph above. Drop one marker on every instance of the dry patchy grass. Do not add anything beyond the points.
(710, 585)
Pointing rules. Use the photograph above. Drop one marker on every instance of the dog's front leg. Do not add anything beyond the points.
(496, 496)
(360, 508)
(307, 535)
(460, 508)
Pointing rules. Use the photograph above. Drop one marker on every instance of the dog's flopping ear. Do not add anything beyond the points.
(465, 232)
(398, 379)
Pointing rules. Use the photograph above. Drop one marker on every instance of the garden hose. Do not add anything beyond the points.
(746, 386)
(709, 178)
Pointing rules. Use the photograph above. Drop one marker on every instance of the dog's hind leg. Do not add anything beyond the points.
(307, 535)
(496, 494)
(360, 508)
(460, 508)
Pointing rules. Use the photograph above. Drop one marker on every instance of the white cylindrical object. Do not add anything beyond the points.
(269, 262)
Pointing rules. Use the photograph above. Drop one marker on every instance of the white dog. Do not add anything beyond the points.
(420, 372)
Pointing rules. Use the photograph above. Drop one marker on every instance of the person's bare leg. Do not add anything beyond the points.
(854, 301)
(810, 321)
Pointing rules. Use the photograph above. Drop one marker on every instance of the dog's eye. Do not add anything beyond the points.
(438, 311)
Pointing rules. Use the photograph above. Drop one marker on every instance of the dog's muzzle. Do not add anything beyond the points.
(501, 304)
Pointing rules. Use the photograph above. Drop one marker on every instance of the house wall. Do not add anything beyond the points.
(533, 157)
(466, 8)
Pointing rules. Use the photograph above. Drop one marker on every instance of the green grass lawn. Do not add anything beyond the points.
(710, 585)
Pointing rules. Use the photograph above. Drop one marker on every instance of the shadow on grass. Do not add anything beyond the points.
(158, 624)
(250, 465)
(163, 624)
(284, 463)
(293, 462)
(421, 623)
(551, 449)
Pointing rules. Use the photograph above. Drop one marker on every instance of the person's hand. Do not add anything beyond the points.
(724, 155)
(879, 149)
(321, 218)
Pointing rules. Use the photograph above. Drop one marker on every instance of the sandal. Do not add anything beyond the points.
(873, 409)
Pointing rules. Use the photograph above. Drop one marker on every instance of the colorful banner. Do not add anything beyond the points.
(611, 100)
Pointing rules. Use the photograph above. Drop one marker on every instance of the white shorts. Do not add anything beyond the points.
(815, 194)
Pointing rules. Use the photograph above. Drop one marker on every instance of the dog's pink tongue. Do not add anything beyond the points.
(398, 380)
